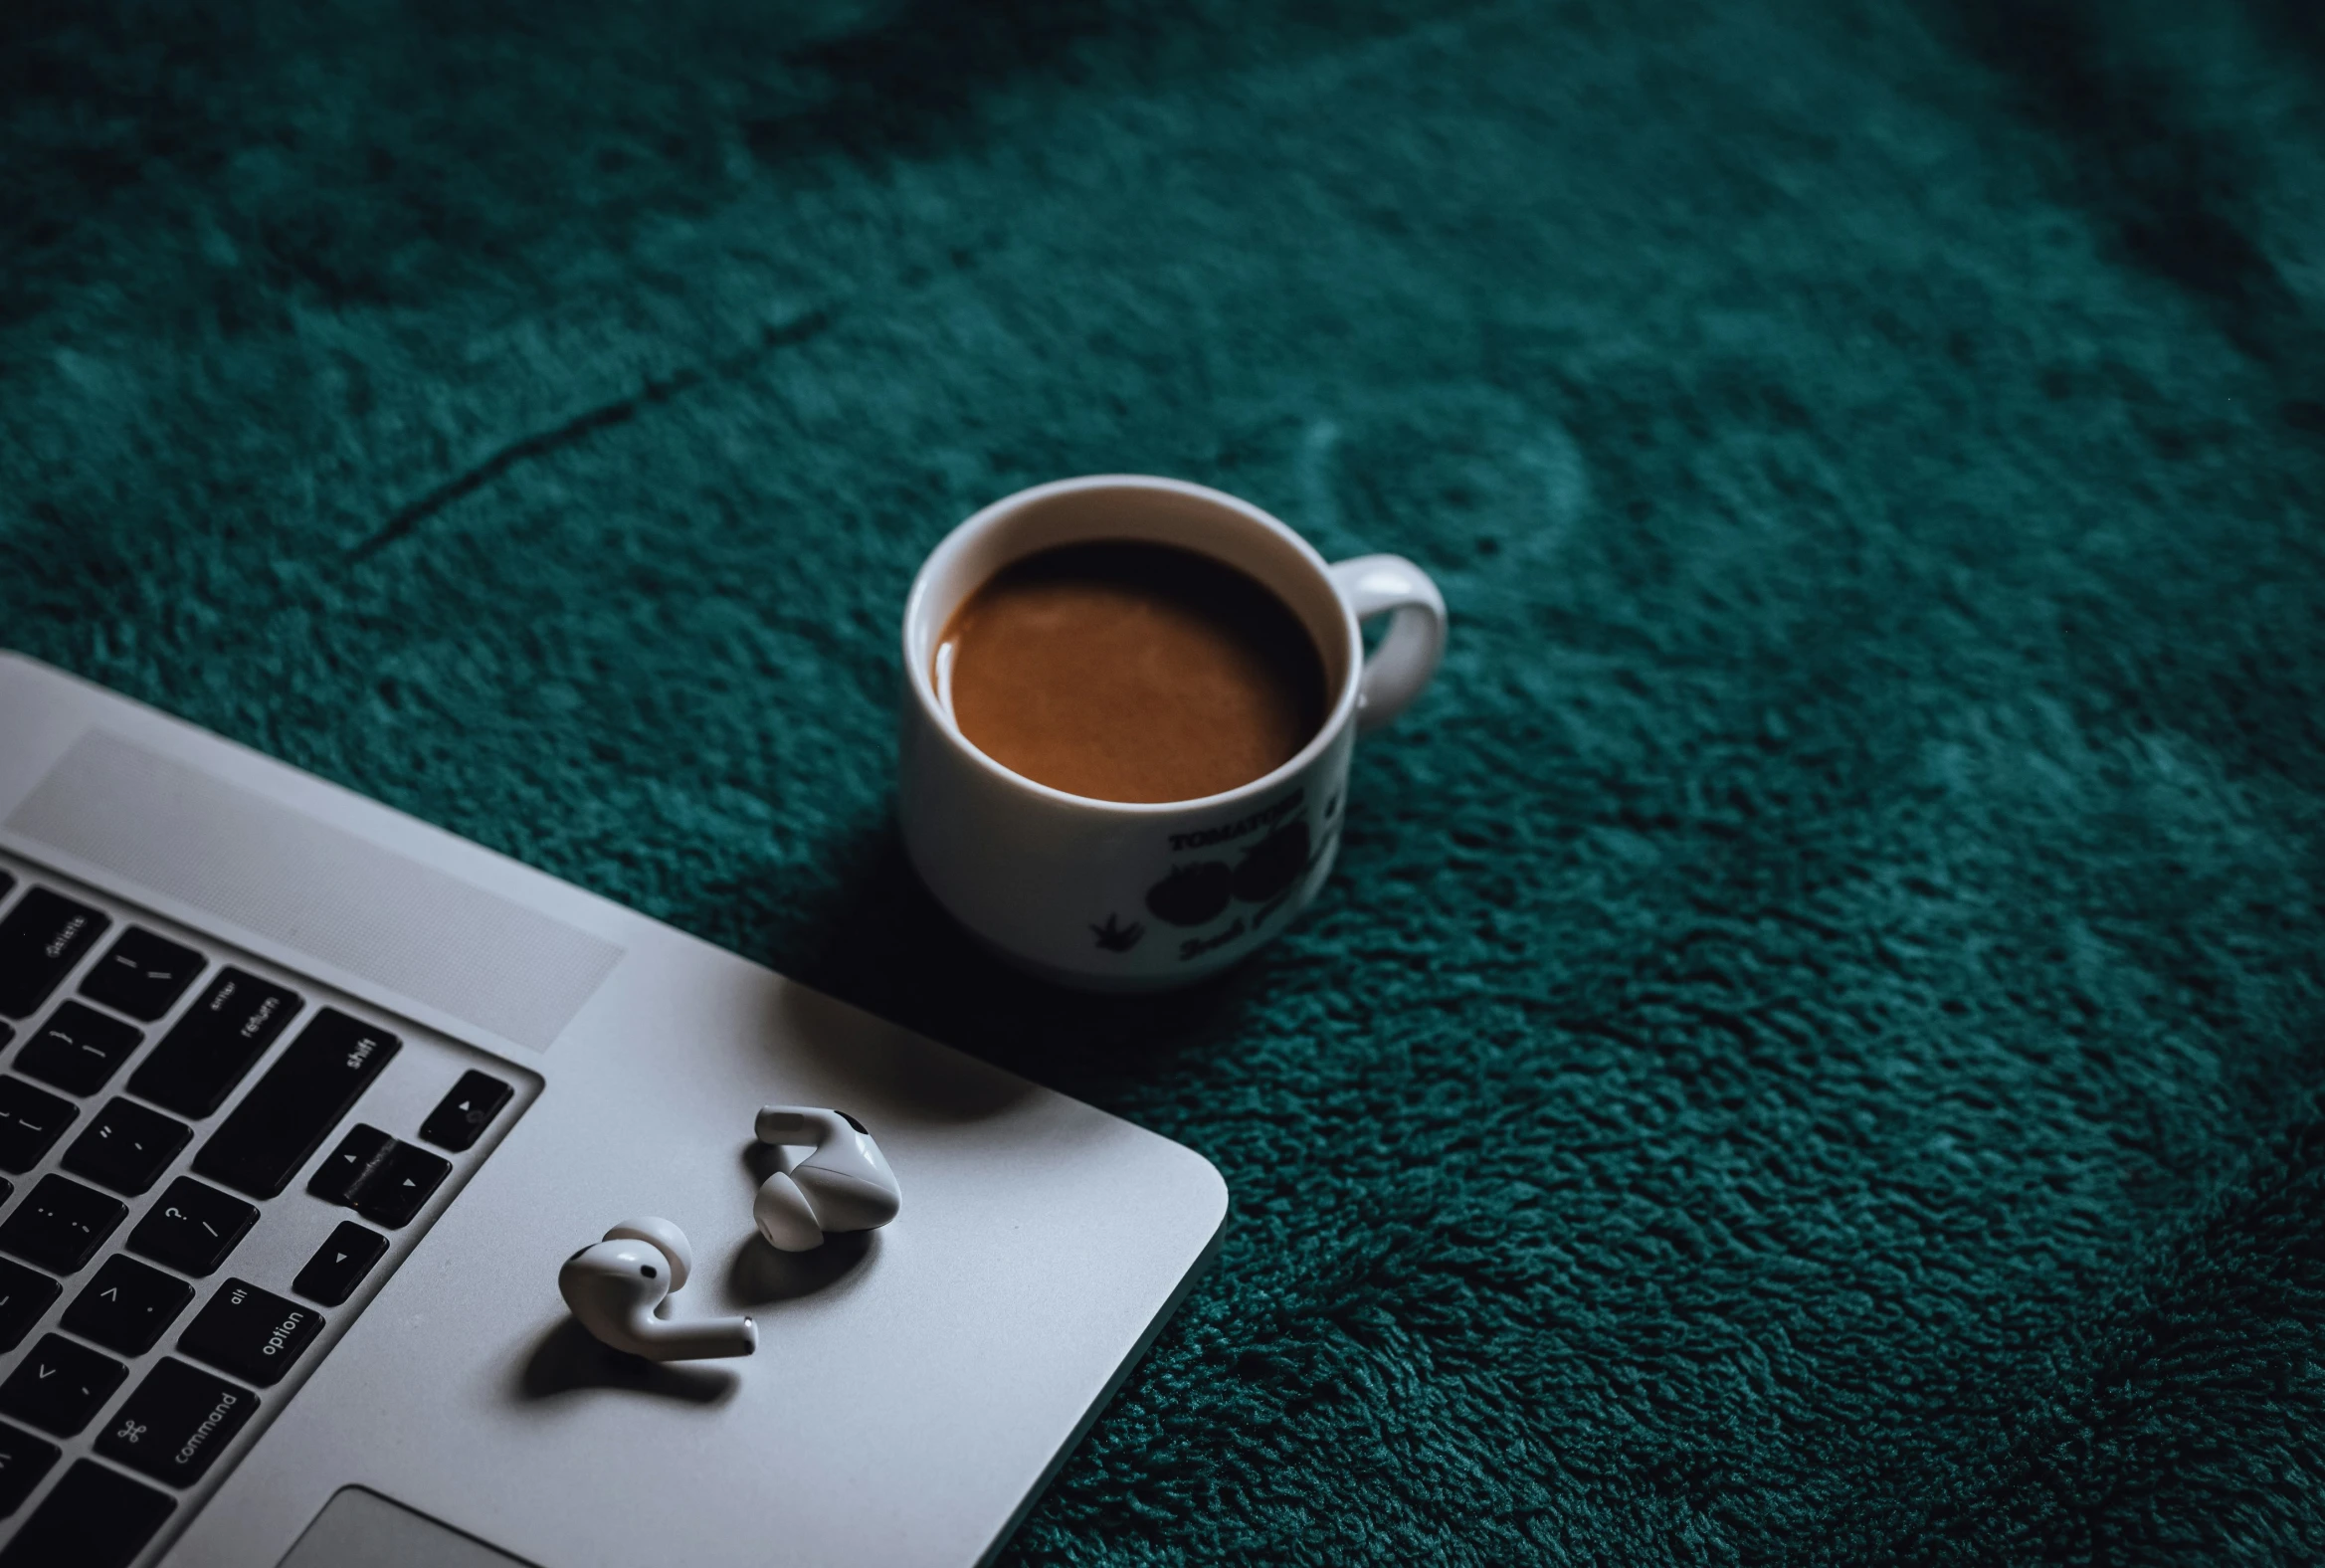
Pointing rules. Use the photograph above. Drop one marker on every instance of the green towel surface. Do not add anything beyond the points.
(1815, 1048)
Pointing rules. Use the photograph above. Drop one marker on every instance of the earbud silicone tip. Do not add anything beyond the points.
(785, 1217)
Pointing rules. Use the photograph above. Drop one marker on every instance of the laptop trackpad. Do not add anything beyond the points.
(362, 1530)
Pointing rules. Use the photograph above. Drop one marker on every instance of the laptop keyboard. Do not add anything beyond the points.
(162, 1099)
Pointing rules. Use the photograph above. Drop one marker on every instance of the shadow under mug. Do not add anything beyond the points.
(1112, 895)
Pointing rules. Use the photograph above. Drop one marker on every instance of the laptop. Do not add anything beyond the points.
(303, 1102)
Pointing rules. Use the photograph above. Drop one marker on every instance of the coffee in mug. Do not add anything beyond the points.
(1129, 707)
(1125, 669)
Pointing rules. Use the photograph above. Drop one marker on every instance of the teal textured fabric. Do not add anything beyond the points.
(1815, 1051)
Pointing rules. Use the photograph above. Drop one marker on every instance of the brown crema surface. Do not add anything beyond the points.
(1133, 671)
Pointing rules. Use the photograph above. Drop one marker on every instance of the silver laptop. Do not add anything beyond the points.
(301, 1105)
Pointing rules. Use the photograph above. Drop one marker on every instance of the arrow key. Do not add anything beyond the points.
(60, 1385)
(339, 1265)
(464, 1115)
(126, 1306)
(340, 1176)
(398, 1185)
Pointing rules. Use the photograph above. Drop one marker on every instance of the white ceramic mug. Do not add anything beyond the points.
(1112, 896)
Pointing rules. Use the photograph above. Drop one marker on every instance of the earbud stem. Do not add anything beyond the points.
(691, 1339)
(801, 1125)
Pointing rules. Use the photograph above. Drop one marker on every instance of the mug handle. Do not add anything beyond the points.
(1397, 670)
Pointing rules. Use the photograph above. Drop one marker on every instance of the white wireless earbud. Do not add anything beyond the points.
(843, 1184)
(620, 1287)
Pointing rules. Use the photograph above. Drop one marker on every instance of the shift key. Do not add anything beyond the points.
(287, 1113)
(198, 1063)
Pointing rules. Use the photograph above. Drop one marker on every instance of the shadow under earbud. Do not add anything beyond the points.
(569, 1359)
(758, 1274)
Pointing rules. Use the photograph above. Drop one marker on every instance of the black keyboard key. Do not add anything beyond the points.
(199, 1061)
(466, 1112)
(125, 1306)
(41, 939)
(378, 1177)
(60, 1225)
(25, 1294)
(339, 1265)
(142, 974)
(6, 882)
(338, 1178)
(127, 1148)
(24, 1459)
(290, 1112)
(79, 1048)
(249, 1332)
(177, 1423)
(191, 1229)
(59, 1386)
(95, 1519)
(398, 1185)
(31, 1120)
(6, 1033)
